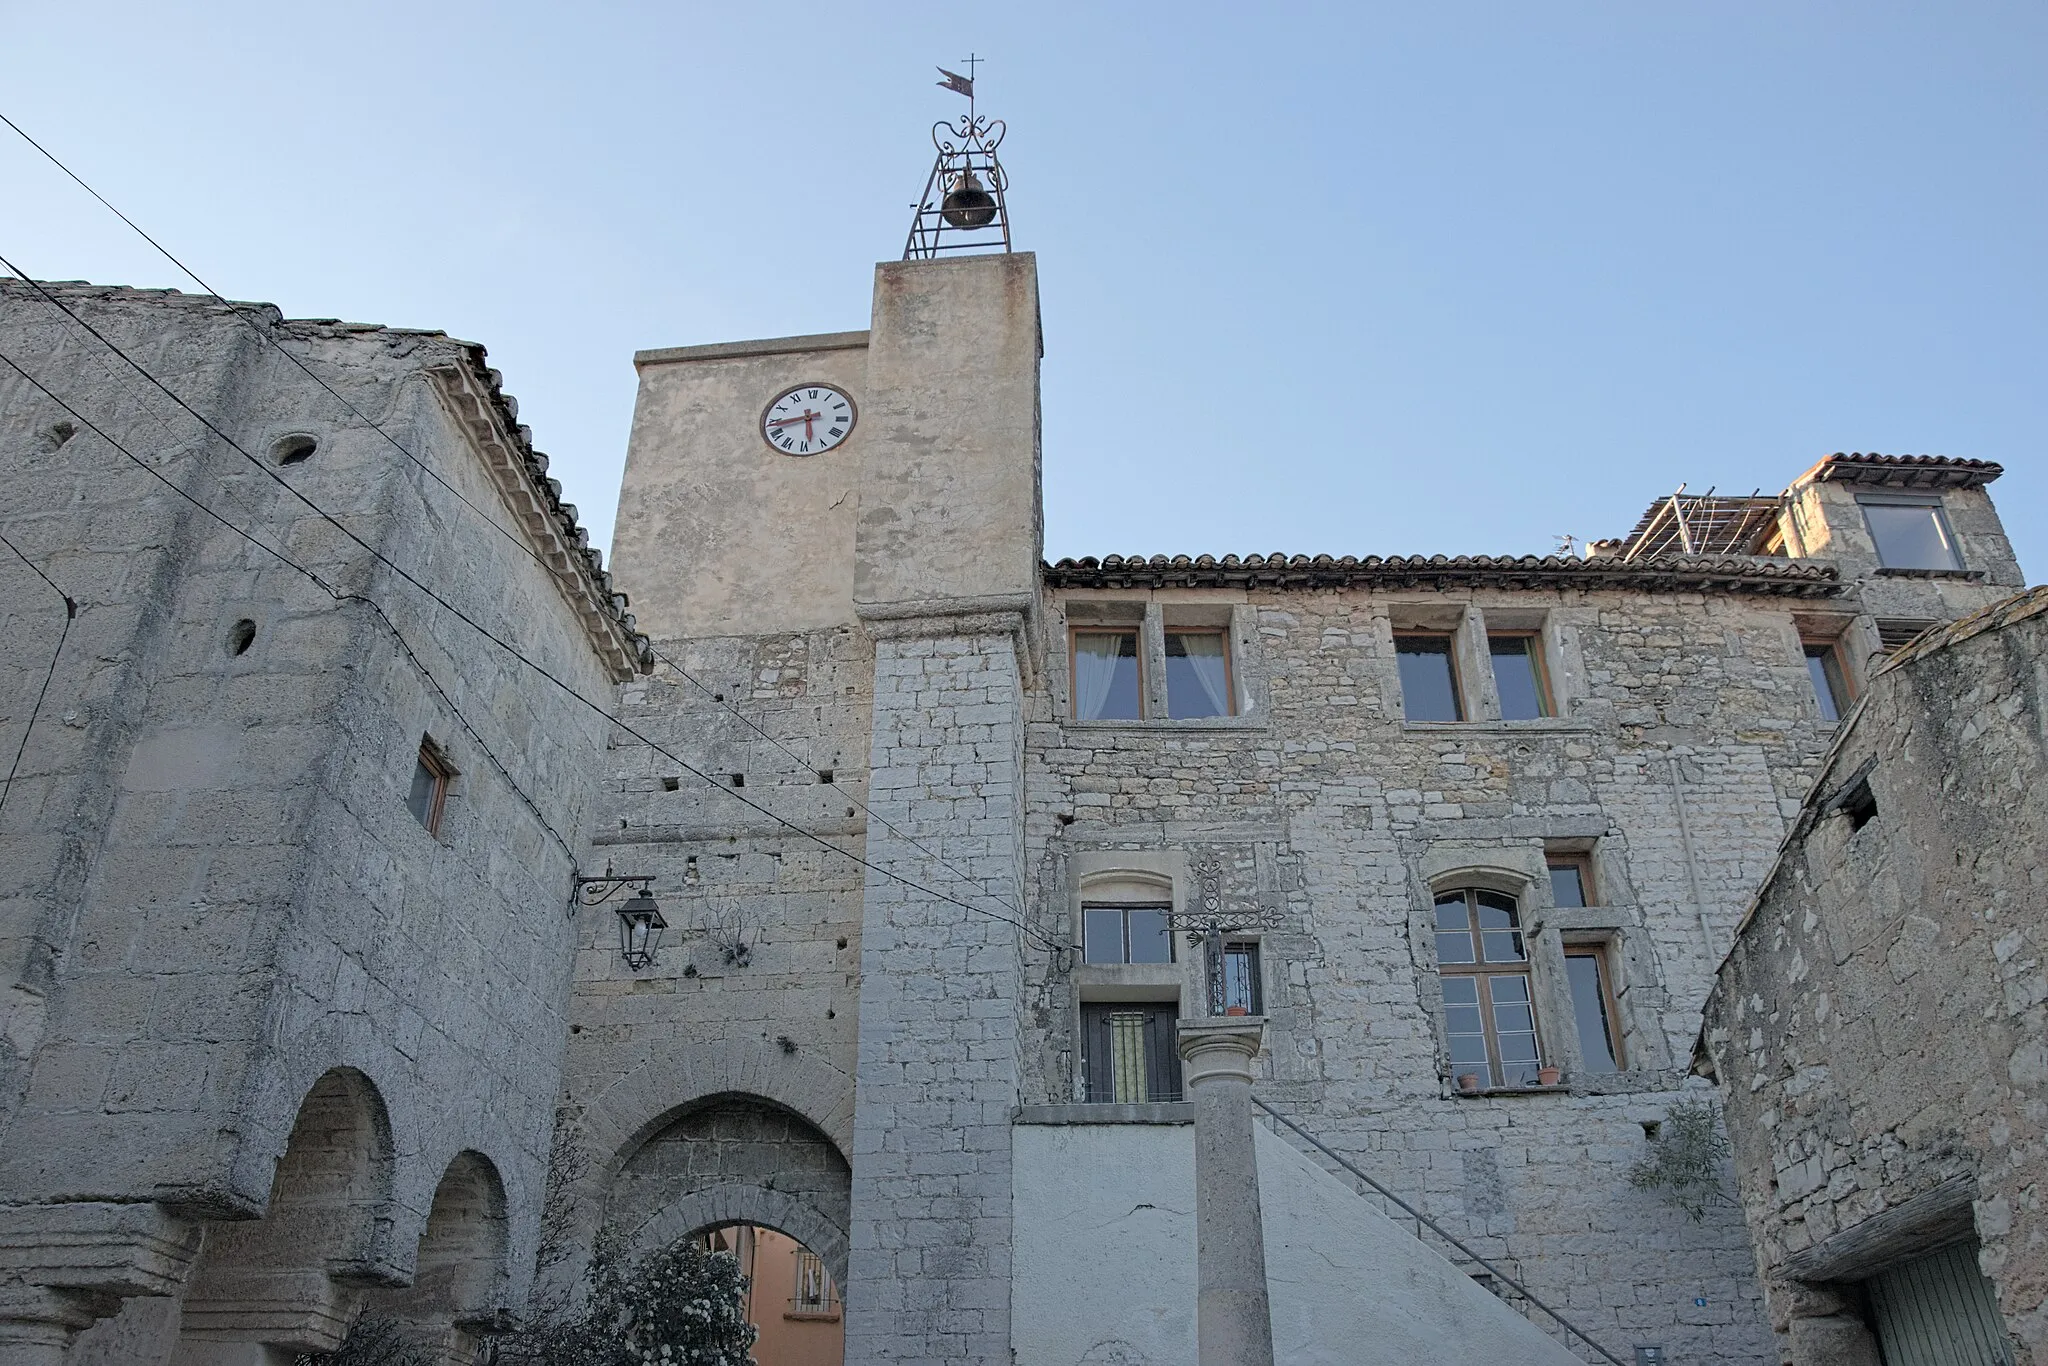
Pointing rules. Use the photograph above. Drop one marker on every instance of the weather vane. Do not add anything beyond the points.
(963, 207)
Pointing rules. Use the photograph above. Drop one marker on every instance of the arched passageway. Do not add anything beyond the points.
(290, 1281)
(792, 1300)
(458, 1285)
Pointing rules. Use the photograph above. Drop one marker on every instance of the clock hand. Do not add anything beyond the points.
(805, 416)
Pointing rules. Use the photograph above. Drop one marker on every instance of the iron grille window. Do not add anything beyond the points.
(1241, 978)
(1129, 1051)
(813, 1290)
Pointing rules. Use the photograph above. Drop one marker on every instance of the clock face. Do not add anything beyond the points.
(808, 420)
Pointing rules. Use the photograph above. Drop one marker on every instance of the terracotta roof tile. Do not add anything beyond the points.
(1733, 574)
(1904, 471)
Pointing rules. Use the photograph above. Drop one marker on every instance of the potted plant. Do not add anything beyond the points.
(1468, 1082)
(1236, 1010)
(1549, 1076)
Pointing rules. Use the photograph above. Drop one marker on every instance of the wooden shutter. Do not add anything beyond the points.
(1938, 1310)
(1161, 1051)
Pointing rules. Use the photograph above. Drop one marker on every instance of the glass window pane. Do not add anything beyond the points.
(1151, 942)
(1450, 912)
(1503, 946)
(1910, 537)
(420, 801)
(1469, 1049)
(1454, 947)
(1461, 991)
(1106, 676)
(1821, 691)
(1241, 977)
(1103, 935)
(1463, 1019)
(1513, 1019)
(1197, 679)
(1567, 885)
(1496, 912)
(1508, 990)
(1515, 675)
(1589, 1007)
(1428, 686)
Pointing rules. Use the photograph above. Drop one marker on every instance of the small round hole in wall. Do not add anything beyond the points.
(293, 450)
(242, 637)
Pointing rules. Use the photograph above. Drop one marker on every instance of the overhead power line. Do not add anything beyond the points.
(270, 339)
(70, 615)
(485, 632)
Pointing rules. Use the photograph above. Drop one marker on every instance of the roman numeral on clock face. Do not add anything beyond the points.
(810, 419)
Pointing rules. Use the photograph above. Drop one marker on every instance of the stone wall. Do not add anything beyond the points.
(1876, 1030)
(1687, 731)
(214, 894)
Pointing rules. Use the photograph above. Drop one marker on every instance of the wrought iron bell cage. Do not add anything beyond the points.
(965, 205)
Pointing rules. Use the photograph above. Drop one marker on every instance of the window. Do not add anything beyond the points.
(1112, 682)
(1241, 979)
(1489, 1014)
(1130, 1052)
(1197, 674)
(1911, 535)
(1519, 676)
(1429, 678)
(429, 792)
(1106, 676)
(1593, 1007)
(811, 1286)
(1830, 684)
(1571, 880)
(1125, 934)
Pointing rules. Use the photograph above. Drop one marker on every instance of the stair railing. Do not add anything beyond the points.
(1571, 1330)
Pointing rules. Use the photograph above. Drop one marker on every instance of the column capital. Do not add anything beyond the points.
(1219, 1047)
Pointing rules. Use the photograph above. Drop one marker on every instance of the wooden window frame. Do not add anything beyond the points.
(1835, 667)
(1588, 889)
(1135, 630)
(1601, 952)
(1480, 970)
(1450, 640)
(1539, 669)
(434, 760)
(1222, 633)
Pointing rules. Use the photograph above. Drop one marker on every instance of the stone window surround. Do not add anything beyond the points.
(1521, 870)
(1137, 876)
(1468, 623)
(1152, 615)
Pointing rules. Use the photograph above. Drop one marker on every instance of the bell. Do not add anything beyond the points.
(967, 204)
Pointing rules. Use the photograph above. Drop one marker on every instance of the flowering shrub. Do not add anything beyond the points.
(681, 1306)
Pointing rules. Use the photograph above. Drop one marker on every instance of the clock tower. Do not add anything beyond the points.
(839, 537)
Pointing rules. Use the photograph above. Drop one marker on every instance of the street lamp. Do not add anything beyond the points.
(640, 922)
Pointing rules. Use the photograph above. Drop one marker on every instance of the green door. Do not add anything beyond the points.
(1938, 1310)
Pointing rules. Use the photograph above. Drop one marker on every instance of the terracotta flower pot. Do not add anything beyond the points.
(1235, 1010)
(1549, 1076)
(1468, 1081)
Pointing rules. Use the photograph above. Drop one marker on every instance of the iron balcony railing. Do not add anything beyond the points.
(1500, 1278)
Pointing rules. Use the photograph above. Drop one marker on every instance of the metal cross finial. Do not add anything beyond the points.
(971, 61)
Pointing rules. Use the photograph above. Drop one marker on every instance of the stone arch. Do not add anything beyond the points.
(734, 1158)
(619, 1120)
(463, 1268)
(733, 1203)
(290, 1278)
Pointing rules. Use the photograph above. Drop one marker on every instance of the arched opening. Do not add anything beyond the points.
(290, 1279)
(459, 1279)
(735, 1159)
(792, 1299)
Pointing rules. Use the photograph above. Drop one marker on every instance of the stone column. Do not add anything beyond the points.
(1234, 1324)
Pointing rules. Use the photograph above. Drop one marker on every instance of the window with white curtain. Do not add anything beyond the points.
(1113, 678)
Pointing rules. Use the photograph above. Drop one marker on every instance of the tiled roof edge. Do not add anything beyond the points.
(1738, 574)
(2005, 612)
(1903, 471)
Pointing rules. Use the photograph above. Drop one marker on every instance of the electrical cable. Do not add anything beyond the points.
(270, 339)
(70, 615)
(336, 594)
(451, 609)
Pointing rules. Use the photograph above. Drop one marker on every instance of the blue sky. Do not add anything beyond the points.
(1360, 279)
